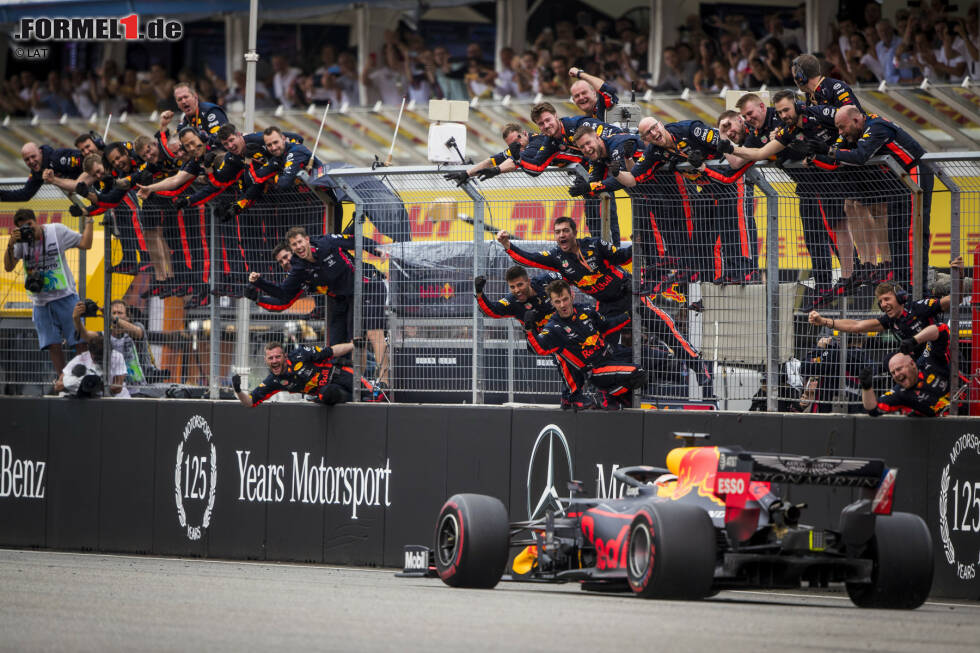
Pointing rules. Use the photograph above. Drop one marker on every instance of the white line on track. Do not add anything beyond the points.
(270, 563)
(843, 598)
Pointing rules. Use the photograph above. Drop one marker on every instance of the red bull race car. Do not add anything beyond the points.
(710, 521)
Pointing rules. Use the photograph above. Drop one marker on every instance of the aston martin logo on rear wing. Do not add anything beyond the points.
(805, 470)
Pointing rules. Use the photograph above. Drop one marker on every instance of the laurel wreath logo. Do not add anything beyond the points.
(943, 521)
(195, 422)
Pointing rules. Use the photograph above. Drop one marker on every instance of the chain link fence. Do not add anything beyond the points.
(725, 276)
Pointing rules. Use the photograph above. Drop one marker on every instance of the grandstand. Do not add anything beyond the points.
(943, 117)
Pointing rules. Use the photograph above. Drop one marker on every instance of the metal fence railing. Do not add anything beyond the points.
(725, 276)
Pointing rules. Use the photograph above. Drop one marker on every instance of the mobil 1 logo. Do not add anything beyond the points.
(195, 477)
(959, 507)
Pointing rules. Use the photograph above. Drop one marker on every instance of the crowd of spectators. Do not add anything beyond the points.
(708, 54)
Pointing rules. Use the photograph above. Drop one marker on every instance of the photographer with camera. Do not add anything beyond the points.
(82, 376)
(48, 277)
(123, 335)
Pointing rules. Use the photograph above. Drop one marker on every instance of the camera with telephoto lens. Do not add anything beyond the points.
(34, 281)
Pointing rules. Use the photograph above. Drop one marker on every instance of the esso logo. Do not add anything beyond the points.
(729, 485)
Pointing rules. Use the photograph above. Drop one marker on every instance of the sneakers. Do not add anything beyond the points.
(605, 401)
(578, 401)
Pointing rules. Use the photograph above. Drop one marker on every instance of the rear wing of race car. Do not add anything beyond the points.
(737, 470)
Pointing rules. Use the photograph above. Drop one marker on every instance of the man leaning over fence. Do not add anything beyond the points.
(48, 277)
(322, 265)
(864, 136)
(579, 335)
(921, 387)
(309, 370)
(902, 316)
(528, 301)
(592, 264)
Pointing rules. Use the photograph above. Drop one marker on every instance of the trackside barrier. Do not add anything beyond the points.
(352, 484)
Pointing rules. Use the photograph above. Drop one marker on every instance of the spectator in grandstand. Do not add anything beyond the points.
(450, 75)
(307, 369)
(124, 336)
(777, 62)
(862, 61)
(741, 62)
(777, 31)
(322, 265)
(48, 277)
(479, 79)
(82, 376)
(528, 302)
(45, 163)
(282, 79)
(760, 75)
(886, 48)
(388, 79)
(921, 386)
(673, 75)
(579, 335)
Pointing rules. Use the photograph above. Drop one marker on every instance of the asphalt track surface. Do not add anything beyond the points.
(86, 602)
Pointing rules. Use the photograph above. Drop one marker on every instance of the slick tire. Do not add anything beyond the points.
(472, 541)
(670, 552)
(901, 550)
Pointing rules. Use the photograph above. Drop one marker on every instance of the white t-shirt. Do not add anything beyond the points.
(117, 365)
(281, 83)
(58, 278)
(390, 85)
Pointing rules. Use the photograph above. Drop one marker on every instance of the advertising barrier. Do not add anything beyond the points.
(352, 484)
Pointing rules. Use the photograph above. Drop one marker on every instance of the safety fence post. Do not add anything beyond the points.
(478, 352)
(772, 286)
(955, 296)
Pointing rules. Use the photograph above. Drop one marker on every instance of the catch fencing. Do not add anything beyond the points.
(724, 273)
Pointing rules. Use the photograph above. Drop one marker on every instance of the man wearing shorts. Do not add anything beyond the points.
(49, 279)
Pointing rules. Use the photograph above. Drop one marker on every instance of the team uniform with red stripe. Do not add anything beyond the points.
(833, 92)
(821, 206)
(581, 340)
(65, 162)
(619, 148)
(311, 371)
(510, 306)
(914, 318)
(543, 151)
(930, 394)
(118, 195)
(605, 99)
(207, 120)
(883, 137)
(594, 269)
(330, 273)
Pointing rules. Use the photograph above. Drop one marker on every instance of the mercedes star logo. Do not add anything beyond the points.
(553, 441)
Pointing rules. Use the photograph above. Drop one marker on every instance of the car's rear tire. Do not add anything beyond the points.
(670, 553)
(471, 541)
(903, 564)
